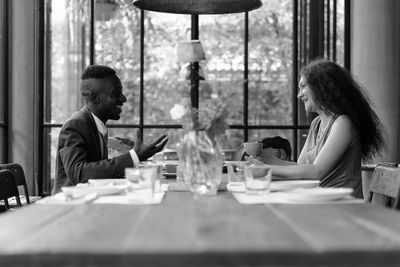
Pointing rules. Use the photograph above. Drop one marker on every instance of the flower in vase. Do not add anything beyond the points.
(200, 158)
(210, 117)
(177, 112)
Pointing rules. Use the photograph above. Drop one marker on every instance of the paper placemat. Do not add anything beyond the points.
(180, 186)
(60, 198)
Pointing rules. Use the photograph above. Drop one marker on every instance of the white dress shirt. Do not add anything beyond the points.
(102, 129)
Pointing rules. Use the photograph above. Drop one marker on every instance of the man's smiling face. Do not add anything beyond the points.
(111, 98)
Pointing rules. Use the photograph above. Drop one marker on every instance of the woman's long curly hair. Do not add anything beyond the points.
(335, 91)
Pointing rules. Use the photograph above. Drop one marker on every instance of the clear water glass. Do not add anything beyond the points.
(236, 172)
(257, 179)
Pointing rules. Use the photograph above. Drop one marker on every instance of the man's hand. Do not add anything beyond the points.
(144, 150)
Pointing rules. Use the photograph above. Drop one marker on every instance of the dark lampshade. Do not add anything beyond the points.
(198, 6)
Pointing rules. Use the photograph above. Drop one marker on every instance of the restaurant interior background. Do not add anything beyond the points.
(45, 44)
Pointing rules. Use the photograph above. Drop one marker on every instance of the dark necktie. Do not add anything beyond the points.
(104, 153)
(105, 139)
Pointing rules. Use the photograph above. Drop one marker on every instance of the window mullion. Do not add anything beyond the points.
(246, 78)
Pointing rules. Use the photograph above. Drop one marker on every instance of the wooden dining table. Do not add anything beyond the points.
(187, 230)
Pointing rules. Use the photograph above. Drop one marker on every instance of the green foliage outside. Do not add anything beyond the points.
(222, 36)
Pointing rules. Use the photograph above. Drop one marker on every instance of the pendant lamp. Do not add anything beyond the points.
(190, 51)
(198, 6)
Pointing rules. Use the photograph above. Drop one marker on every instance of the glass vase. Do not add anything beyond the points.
(201, 162)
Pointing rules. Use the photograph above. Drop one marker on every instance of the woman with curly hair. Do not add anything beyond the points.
(346, 131)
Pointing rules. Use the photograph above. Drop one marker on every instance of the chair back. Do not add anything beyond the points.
(385, 184)
(8, 188)
(278, 147)
(274, 146)
(19, 175)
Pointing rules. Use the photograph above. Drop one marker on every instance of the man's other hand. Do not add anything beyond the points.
(144, 150)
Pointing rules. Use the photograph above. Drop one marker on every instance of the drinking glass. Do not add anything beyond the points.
(148, 175)
(236, 172)
(132, 174)
(257, 179)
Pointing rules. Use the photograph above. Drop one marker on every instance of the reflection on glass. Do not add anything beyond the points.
(270, 63)
(163, 84)
(117, 44)
(68, 55)
(50, 142)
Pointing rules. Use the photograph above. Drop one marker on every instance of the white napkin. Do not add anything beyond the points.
(138, 197)
(61, 198)
(280, 198)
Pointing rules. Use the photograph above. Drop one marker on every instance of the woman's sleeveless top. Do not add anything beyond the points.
(347, 171)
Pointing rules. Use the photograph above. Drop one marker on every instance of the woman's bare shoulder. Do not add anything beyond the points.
(343, 127)
(344, 121)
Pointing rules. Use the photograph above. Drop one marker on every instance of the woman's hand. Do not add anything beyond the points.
(254, 160)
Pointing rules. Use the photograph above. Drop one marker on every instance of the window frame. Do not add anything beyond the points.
(4, 59)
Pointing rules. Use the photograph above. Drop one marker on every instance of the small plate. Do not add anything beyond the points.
(293, 184)
(104, 190)
(318, 194)
(276, 185)
(108, 181)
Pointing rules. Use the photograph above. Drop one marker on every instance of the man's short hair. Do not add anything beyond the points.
(93, 72)
(97, 72)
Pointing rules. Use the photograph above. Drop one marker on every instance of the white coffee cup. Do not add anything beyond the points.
(253, 148)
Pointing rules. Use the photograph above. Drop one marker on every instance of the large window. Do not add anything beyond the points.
(254, 56)
(67, 39)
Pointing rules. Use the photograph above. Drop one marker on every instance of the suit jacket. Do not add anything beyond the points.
(79, 153)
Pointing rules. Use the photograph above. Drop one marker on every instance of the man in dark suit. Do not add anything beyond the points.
(82, 144)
